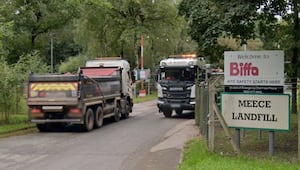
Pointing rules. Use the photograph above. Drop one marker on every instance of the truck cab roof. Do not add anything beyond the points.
(108, 63)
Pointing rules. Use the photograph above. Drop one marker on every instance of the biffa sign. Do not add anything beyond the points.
(254, 68)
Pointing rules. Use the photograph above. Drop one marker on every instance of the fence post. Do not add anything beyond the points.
(211, 121)
(198, 103)
(203, 109)
(298, 87)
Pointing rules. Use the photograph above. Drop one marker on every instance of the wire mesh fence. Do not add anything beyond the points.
(203, 111)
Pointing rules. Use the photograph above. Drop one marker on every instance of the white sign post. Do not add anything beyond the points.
(256, 111)
(254, 68)
(256, 72)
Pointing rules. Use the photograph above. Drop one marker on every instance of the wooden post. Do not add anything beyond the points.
(298, 129)
(298, 106)
(238, 137)
(271, 142)
(226, 129)
(215, 111)
(298, 135)
(259, 134)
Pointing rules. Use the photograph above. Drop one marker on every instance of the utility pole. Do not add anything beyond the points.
(51, 50)
(142, 52)
(142, 58)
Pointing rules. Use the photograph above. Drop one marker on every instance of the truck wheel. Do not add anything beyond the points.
(178, 112)
(42, 127)
(88, 120)
(117, 115)
(98, 117)
(167, 113)
(127, 110)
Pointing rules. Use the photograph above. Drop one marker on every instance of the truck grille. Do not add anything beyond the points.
(177, 94)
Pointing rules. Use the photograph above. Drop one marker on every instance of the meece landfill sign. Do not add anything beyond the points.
(254, 68)
(258, 111)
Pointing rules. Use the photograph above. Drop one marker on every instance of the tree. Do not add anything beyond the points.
(5, 95)
(212, 19)
(282, 33)
(12, 82)
(72, 64)
(32, 62)
(41, 16)
(114, 28)
(239, 19)
(33, 20)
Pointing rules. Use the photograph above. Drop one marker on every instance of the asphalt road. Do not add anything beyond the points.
(146, 140)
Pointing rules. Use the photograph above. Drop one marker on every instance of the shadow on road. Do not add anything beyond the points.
(184, 115)
(57, 128)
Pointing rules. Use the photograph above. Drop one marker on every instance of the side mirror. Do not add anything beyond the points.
(201, 76)
(133, 78)
(157, 75)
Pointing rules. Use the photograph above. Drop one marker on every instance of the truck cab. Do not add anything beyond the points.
(126, 77)
(176, 77)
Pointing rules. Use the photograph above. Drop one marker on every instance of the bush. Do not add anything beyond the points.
(12, 83)
(72, 64)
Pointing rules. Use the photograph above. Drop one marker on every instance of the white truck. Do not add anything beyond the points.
(176, 78)
(127, 77)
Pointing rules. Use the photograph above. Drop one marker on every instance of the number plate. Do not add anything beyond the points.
(176, 88)
(175, 105)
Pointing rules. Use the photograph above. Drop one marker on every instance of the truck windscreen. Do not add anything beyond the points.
(178, 74)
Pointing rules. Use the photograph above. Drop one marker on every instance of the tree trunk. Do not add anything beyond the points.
(33, 37)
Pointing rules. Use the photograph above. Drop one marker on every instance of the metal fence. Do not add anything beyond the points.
(208, 115)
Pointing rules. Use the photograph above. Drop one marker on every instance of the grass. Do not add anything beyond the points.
(196, 157)
(148, 97)
(14, 127)
(255, 151)
(18, 124)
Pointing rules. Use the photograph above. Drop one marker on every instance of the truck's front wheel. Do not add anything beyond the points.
(117, 115)
(127, 110)
(88, 120)
(178, 111)
(167, 113)
(43, 127)
(99, 117)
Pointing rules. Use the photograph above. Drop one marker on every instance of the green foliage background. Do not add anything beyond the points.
(13, 83)
(86, 29)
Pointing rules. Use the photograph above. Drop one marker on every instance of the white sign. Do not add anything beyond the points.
(259, 111)
(142, 74)
(255, 68)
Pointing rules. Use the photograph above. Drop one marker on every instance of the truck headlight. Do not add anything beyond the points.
(190, 63)
(192, 101)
